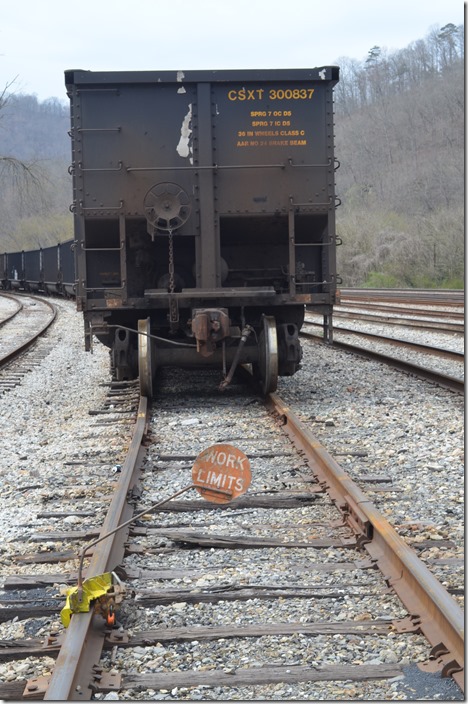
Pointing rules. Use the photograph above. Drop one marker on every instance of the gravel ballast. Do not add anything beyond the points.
(376, 420)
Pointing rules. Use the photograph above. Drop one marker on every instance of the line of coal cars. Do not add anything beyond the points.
(49, 270)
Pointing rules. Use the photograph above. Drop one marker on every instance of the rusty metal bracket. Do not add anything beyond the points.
(348, 542)
(53, 639)
(36, 687)
(339, 523)
(117, 637)
(366, 564)
(357, 519)
(438, 662)
(410, 624)
(431, 666)
(451, 668)
(105, 681)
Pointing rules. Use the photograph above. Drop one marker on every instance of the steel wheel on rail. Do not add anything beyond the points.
(145, 366)
(266, 369)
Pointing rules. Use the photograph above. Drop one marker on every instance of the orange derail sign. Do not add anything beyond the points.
(221, 473)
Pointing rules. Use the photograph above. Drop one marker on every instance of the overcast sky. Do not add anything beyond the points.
(39, 40)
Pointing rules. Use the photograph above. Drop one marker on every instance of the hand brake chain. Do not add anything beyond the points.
(171, 263)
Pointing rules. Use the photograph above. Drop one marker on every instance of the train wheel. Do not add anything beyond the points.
(266, 371)
(145, 366)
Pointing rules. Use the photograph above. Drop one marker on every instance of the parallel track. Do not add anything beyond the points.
(444, 380)
(364, 301)
(30, 321)
(452, 297)
(396, 342)
(401, 321)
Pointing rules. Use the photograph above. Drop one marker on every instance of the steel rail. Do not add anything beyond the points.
(10, 356)
(445, 380)
(451, 296)
(434, 612)
(11, 315)
(76, 666)
(398, 309)
(393, 341)
(420, 324)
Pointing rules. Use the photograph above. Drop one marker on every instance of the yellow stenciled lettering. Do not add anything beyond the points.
(248, 94)
(290, 94)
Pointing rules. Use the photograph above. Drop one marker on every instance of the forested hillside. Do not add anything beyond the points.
(399, 129)
(400, 140)
(35, 186)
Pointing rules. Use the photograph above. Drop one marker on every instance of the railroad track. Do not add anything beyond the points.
(24, 320)
(397, 342)
(448, 381)
(434, 311)
(402, 309)
(433, 326)
(9, 307)
(450, 297)
(272, 595)
(372, 338)
(253, 597)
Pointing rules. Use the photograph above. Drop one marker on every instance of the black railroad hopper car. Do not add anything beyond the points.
(14, 270)
(204, 209)
(50, 269)
(66, 268)
(32, 277)
(4, 276)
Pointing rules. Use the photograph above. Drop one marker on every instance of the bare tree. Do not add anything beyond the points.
(22, 181)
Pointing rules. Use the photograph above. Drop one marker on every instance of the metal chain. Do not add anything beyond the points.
(171, 263)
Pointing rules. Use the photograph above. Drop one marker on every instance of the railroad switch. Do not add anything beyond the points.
(105, 591)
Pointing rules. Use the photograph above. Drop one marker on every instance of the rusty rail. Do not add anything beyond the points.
(391, 341)
(15, 312)
(76, 667)
(445, 380)
(454, 297)
(9, 356)
(433, 611)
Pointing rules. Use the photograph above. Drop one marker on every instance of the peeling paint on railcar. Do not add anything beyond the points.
(183, 148)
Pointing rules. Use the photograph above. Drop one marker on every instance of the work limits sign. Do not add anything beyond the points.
(221, 473)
